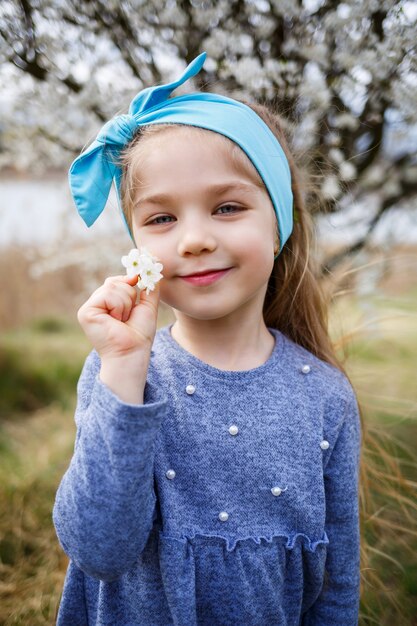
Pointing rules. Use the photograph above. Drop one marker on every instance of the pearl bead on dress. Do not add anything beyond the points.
(324, 444)
(170, 474)
(233, 430)
(305, 369)
(223, 516)
(190, 389)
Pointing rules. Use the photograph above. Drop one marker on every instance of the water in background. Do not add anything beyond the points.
(41, 212)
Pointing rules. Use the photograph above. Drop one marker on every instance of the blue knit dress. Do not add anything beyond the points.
(229, 498)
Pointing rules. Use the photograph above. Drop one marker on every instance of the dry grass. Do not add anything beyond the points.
(58, 292)
(32, 563)
(35, 448)
(27, 298)
(378, 335)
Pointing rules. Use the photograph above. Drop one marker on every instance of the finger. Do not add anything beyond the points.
(110, 300)
(115, 306)
(127, 295)
(151, 299)
(119, 283)
(144, 316)
(129, 305)
(122, 279)
(131, 280)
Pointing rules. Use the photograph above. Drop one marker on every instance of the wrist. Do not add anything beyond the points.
(125, 377)
(131, 360)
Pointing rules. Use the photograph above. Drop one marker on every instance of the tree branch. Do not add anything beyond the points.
(407, 191)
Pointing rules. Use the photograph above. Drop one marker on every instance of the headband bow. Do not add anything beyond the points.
(92, 172)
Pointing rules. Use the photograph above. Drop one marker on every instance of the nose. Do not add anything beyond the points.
(196, 237)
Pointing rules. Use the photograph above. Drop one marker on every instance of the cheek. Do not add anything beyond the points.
(144, 238)
(167, 294)
(255, 245)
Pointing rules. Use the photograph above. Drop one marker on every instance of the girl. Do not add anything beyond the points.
(214, 478)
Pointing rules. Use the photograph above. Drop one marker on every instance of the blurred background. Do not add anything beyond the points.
(344, 76)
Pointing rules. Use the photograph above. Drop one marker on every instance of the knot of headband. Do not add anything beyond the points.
(92, 172)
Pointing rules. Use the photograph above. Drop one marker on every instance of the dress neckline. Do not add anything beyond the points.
(185, 357)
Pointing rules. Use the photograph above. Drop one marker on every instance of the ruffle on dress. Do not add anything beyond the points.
(231, 541)
(268, 579)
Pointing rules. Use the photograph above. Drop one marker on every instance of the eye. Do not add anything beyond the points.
(160, 217)
(225, 206)
(230, 206)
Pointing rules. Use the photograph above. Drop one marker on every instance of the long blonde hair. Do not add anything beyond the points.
(297, 304)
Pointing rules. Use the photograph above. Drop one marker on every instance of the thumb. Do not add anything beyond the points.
(144, 315)
(150, 299)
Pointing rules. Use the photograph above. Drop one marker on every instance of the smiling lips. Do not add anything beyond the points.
(206, 278)
(212, 270)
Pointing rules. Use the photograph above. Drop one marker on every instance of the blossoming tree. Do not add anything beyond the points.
(343, 73)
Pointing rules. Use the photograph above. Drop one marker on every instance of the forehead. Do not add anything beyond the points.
(178, 147)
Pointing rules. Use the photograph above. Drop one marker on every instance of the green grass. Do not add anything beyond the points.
(39, 366)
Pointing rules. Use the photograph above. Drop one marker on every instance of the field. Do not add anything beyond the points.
(40, 361)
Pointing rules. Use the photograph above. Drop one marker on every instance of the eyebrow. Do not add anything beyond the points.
(219, 189)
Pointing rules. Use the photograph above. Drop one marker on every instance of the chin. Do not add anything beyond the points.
(203, 315)
(211, 306)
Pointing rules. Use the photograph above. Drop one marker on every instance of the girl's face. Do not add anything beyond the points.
(195, 212)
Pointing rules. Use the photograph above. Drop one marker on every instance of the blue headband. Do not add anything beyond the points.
(92, 172)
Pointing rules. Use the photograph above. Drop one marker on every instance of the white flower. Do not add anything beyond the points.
(374, 176)
(330, 188)
(139, 262)
(131, 262)
(347, 171)
(336, 155)
(346, 120)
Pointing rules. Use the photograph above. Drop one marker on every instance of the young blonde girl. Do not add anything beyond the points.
(215, 472)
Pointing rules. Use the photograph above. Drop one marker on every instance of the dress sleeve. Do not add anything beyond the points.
(104, 505)
(338, 602)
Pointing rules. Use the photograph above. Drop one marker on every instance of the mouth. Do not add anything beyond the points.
(207, 277)
(206, 272)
